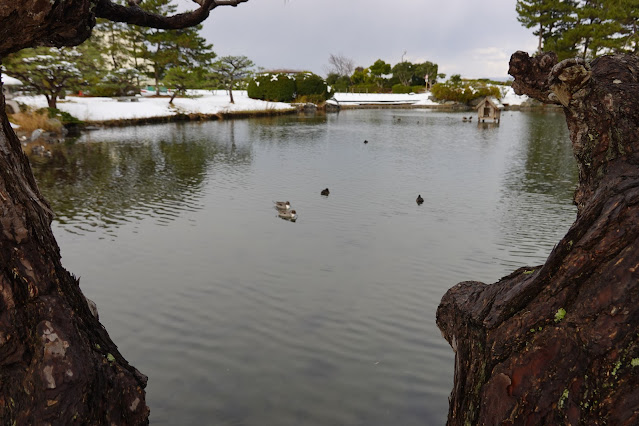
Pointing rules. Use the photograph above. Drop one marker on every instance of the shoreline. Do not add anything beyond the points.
(182, 117)
(211, 106)
(193, 117)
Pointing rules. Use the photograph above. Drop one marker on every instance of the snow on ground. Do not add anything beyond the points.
(214, 102)
(104, 109)
(510, 98)
(384, 98)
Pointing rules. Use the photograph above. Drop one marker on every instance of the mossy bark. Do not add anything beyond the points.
(559, 343)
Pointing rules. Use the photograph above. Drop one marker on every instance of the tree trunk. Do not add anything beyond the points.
(231, 92)
(52, 101)
(558, 343)
(57, 363)
(157, 79)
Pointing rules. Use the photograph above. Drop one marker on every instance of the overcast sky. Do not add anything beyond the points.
(474, 38)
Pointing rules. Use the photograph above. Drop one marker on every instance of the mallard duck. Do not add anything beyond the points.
(325, 192)
(288, 215)
(282, 205)
(419, 200)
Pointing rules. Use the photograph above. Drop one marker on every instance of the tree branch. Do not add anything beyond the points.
(133, 14)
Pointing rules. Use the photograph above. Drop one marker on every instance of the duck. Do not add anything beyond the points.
(365, 141)
(464, 119)
(325, 192)
(288, 215)
(282, 205)
(419, 200)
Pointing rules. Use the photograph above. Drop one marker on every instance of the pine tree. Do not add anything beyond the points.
(552, 18)
(626, 13)
(172, 48)
(231, 69)
(593, 27)
(50, 71)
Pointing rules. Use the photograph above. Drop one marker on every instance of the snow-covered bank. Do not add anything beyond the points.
(509, 98)
(204, 102)
(383, 98)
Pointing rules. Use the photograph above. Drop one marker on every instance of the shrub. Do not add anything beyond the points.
(104, 90)
(364, 88)
(64, 117)
(272, 87)
(307, 84)
(338, 83)
(463, 92)
(314, 99)
(32, 120)
(400, 88)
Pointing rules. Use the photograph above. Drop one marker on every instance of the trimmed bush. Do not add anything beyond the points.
(309, 84)
(272, 87)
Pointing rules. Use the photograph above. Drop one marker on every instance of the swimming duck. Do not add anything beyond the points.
(282, 205)
(419, 200)
(288, 215)
(365, 141)
(325, 192)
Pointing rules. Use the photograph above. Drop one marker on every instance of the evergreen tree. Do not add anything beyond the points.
(551, 18)
(425, 74)
(338, 83)
(173, 48)
(626, 14)
(112, 39)
(230, 69)
(361, 76)
(593, 27)
(50, 71)
(180, 79)
(404, 71)
(378, 70)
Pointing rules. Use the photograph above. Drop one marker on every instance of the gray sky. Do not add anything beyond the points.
(474, 38)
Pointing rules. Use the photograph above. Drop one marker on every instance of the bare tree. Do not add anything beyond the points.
(341, 65)
(58, 364)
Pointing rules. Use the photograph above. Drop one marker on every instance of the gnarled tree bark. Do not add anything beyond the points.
(57, 363)
(559, 343)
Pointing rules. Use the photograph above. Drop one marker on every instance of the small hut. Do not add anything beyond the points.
(9, 86)
(489, 109)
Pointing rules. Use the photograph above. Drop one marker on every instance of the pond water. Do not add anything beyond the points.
(241, 318)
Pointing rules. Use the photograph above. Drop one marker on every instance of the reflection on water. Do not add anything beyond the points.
(106, 178)
(241, 318)
(540, 177)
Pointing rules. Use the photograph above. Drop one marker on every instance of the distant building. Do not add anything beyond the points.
(489, 109)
